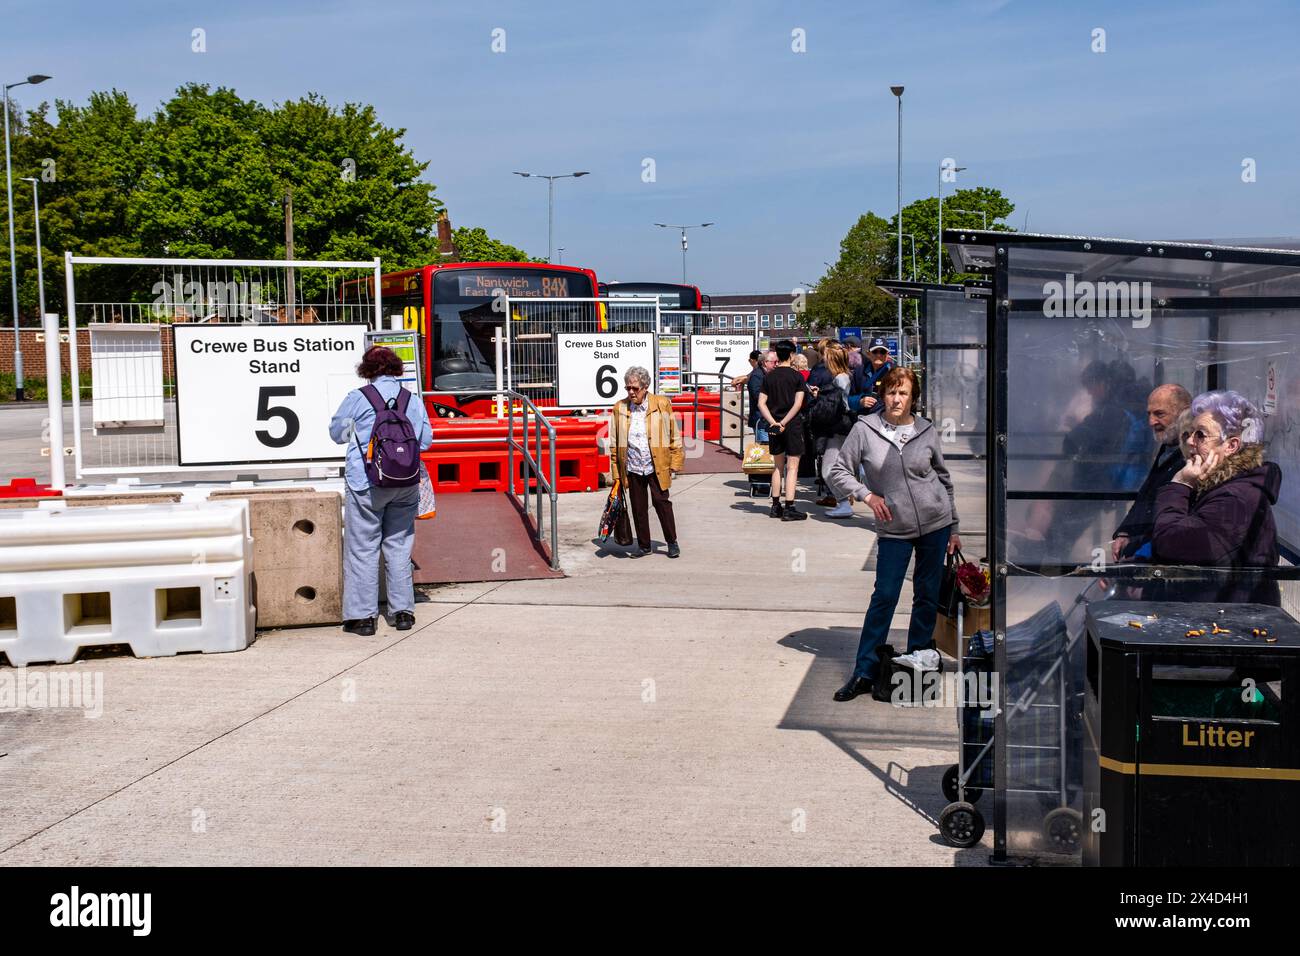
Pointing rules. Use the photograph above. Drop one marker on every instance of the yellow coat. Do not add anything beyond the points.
(662, 432)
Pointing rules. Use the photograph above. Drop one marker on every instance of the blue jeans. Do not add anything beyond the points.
(892, 557)
(760, 431)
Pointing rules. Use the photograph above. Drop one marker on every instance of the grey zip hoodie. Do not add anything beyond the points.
(913, 480)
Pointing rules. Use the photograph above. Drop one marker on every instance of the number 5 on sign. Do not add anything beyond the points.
(590, 366)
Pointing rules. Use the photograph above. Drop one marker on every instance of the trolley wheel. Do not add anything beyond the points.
(961, 824)
(1063, 830)
(950, 787)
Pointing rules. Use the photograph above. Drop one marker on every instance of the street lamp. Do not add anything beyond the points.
(561, 251)
(550, 208)
(13, 267)
(898, 95)
(912, 239)
(40, 269)
(939, 254)
(973, 212)
(698, 225)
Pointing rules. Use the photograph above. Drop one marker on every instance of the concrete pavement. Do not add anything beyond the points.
(638, 711)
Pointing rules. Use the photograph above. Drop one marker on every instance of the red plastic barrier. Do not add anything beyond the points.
(478, 460)
(28, 488)
(708, 426)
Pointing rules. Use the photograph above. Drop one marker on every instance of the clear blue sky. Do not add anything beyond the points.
(783, 150)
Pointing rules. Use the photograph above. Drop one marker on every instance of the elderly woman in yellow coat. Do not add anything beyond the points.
(648, 451)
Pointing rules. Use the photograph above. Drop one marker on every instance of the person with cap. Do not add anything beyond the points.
(854, 346)
(863, 399)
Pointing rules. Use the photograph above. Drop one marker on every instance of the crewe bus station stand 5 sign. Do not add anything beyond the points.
(262, 394)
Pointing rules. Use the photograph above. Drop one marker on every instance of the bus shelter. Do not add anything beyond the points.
(1079, 331)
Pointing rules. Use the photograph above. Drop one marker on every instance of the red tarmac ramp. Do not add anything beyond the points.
(714, 460)
(479, 536)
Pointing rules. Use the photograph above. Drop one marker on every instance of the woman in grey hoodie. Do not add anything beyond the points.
(911, 495)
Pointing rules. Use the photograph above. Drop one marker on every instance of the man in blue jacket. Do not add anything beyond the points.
(862, 397)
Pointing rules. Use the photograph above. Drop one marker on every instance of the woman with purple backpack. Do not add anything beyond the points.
(385, 428)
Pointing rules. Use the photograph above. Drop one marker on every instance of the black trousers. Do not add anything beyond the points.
(637, 486)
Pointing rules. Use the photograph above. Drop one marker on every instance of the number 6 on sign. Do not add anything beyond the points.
(265, 412)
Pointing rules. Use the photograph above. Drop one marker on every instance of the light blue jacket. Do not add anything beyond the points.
(356, 409)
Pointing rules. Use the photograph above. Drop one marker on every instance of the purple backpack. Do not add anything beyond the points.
(393, 456)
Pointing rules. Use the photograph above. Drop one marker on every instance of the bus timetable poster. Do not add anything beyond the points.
(670, 365)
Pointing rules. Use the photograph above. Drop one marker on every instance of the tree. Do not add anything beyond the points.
(475, 245)
(847, 294)
(88, 165)
(921, 221)
(206, 176)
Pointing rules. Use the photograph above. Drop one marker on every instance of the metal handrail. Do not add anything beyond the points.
(532, 467)
(723, 380)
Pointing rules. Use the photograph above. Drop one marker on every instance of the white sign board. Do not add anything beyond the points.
(126, 375)
(590, 365)
(728, 354)
(262, 394)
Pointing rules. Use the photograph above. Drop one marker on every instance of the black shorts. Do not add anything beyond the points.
(788, 441)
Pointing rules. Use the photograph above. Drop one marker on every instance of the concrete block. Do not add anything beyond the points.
(732, 423)
(297, 554)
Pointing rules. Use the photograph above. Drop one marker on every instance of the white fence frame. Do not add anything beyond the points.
(70, 260)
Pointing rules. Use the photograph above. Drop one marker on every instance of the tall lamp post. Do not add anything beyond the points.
(939, 253)
(698, 225)
(898, 95)
(561, 251)
(13, 266)
(550, 207)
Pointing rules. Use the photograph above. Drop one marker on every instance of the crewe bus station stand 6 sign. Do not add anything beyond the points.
(591, 365)
(262, 394)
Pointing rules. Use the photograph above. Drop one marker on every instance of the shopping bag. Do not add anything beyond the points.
(950, 595)
(614, 514)
(757, 460)
(623, 526)
(427, 508)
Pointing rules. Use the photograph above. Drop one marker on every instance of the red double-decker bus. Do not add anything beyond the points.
(456, 307)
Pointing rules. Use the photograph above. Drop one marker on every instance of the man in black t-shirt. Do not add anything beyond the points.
(780, 403)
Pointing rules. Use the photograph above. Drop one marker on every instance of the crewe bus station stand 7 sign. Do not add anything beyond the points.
(262, 394)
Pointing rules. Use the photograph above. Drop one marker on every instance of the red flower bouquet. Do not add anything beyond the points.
(974, 583)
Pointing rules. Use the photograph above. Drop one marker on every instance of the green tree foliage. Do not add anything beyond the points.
(475, 245)
(921, 221)
(847, 294)
(206, 176)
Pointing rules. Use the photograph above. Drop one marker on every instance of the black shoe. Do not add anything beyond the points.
(674, 551)
(793, 514)
(362, 627)
(854, 688)
(404, 620)
(777, 511)
(640, 552)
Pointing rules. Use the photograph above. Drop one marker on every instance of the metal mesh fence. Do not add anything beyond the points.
(531, 360)
(121, 313)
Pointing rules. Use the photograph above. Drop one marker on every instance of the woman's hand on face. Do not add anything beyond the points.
(879, 508)
(1198, 468)
(954, 543)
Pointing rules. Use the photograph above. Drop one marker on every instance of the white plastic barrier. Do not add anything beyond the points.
(163, 579)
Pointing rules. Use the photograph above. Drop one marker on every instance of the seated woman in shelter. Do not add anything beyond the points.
(1218, 510)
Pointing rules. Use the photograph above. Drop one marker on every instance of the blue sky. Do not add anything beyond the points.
(782, 150)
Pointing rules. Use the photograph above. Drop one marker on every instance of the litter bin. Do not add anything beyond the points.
(1192, 756)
